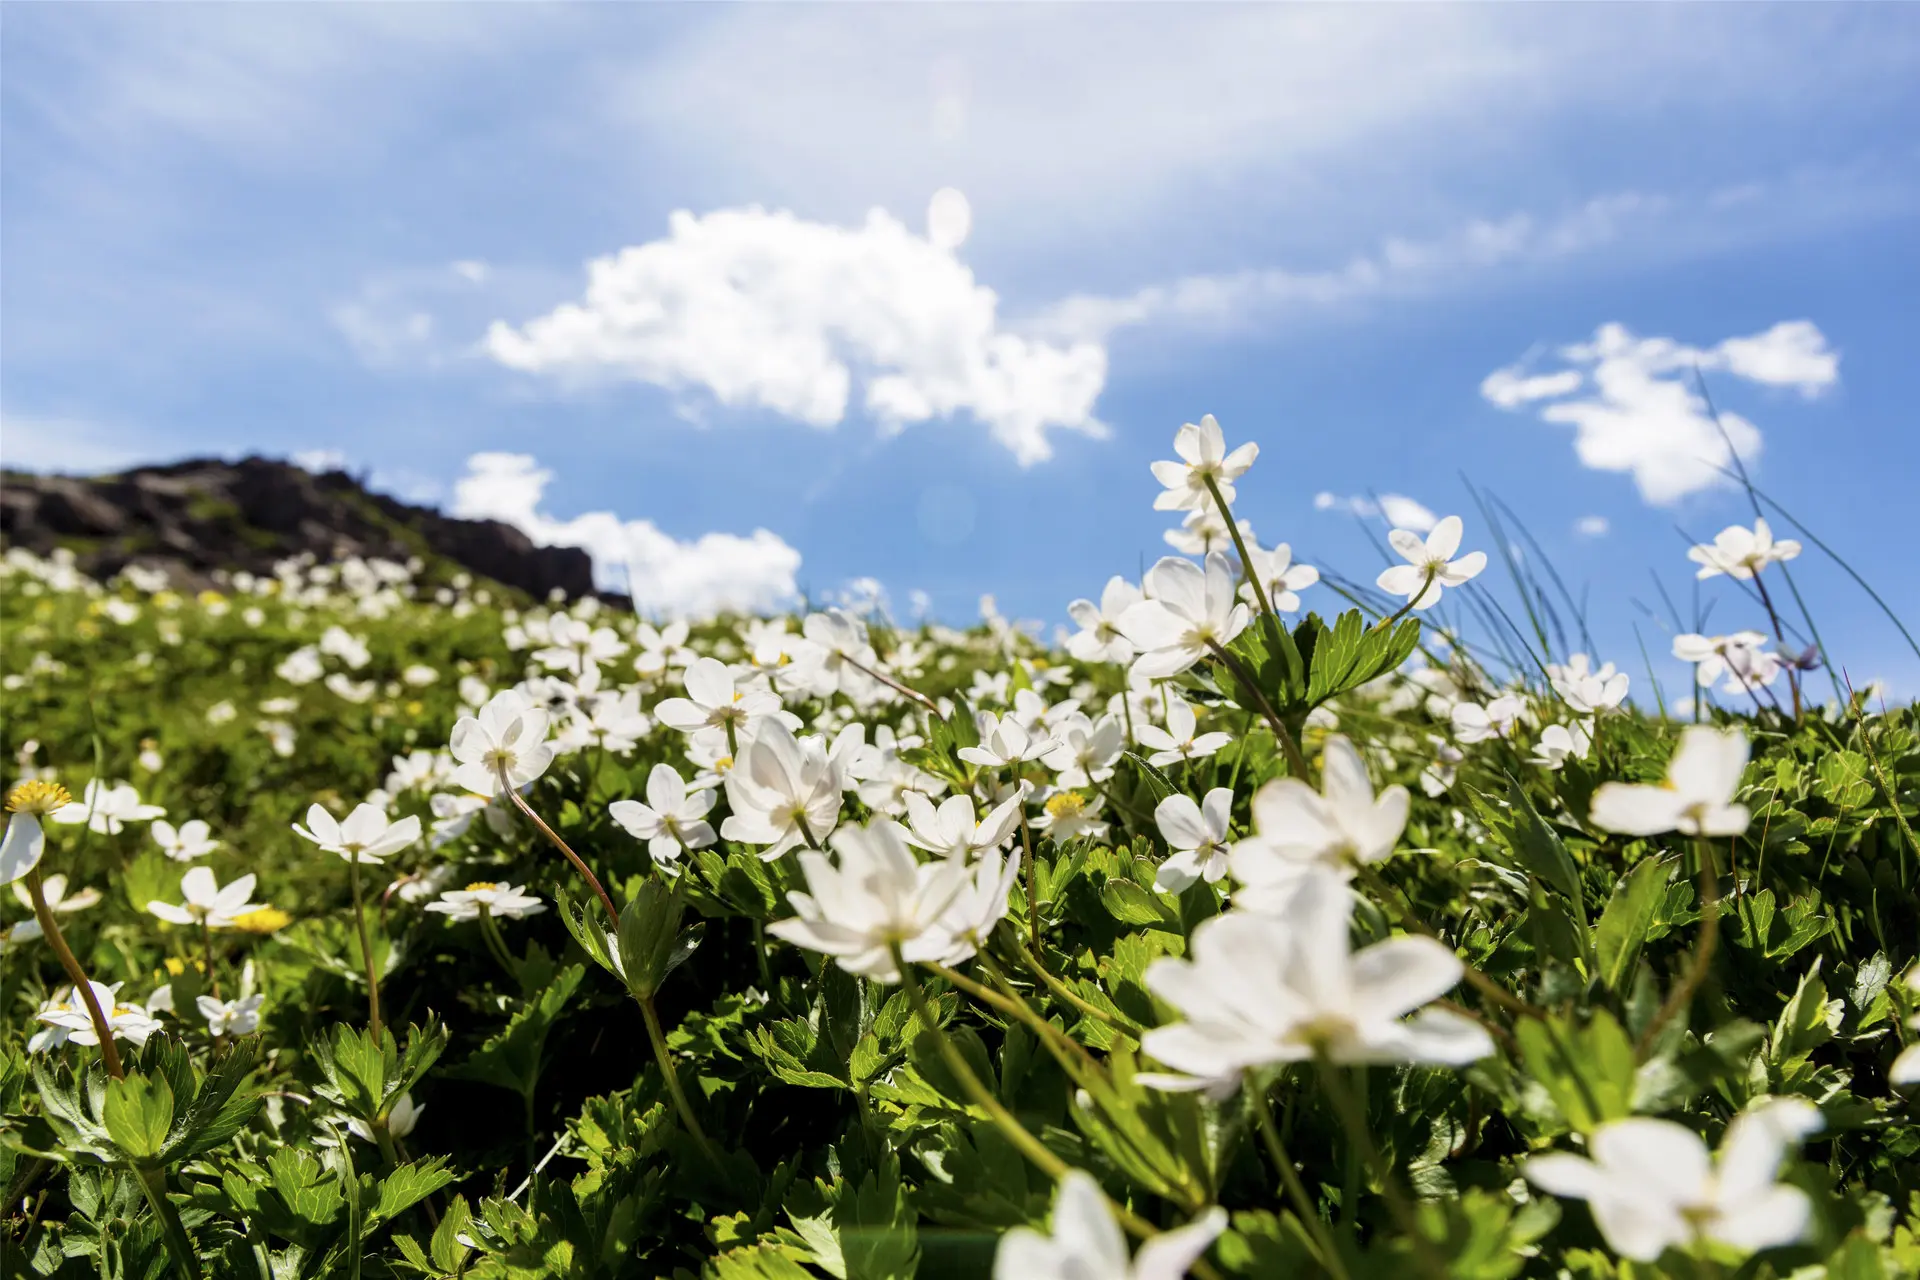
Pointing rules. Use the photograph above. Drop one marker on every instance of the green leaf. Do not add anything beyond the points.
(1130, 904)
(407, 1186)
(1623, 926)
(1350, 653)
(652, 944)
(1589, 1072)
(138, 1112)
(512, 1057)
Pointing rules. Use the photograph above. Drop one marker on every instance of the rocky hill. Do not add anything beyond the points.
(206, 513)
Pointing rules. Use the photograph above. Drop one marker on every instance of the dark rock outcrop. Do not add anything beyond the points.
(204, 514)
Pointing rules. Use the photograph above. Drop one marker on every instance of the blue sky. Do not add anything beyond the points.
(358, 230)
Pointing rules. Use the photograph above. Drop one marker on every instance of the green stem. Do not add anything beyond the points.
(1296, 763)
(206, 944)
(366, 948)
(1240, 545)
(1061, 989)
(520, 803)
(1354, 1121)
(1682, 993)
(665, 1060)
(1407, 608)
(496, 944)
(1303, 1204)
(50, 929)
(1405, 918)
(1033, 876)
(154, 1183)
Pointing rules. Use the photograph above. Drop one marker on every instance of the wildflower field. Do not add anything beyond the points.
(366, 921)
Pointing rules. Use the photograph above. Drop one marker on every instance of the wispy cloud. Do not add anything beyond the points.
(1396, 509)
(1633, 410)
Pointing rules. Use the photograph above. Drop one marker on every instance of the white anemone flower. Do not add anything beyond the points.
(784, 792)
(1005, 741)
(1298, 830)
(1099, 638)
(1652, 1185)
(129, 1022)
(979, 905)
(1740, 552)
(501, 901)
(950, 830)
(1202, 530)
(22, 847)
(1906, 1068)
(714, 701)
(107, 809)
(1587, 691)
(1430, 565)
(1068, 815)
(1266, 989)
(1697, 798)
(59, 901)
(1187, 611)
(1279, 576)
(1740, 656)
(206, 902)
(1085, 751)
(1177, 743)
(367, 836)
(874, 897)
(1560, 743)
(402, 1116)
(1475, 723)
(508, 734)
(1203, 456)
(231, 1017)
(1086, 1243)
(1197, 834)
(191, 839)
(672, 820)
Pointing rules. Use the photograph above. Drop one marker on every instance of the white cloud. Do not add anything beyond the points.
(711, 573)
(1642, 415)
(1397, 509)
(320, 460)
(1592, 526)
(72, 446)
(768, 310)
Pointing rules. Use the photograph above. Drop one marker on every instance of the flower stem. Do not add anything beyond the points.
(1296, 763)
(1780, 635)
(1354, 1121)
(1290, 1178)
(901, 689)
(520, 803)
(366, 949)
(665, 1060)
(1073, 998)
(1412, 600)
(50, 927)
(1240, 545)
(1033, 876)
(497, 944)
(153, 1182)
(206, 943)
(1703, 949)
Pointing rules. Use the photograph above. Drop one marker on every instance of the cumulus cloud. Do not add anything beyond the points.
(1397, 509)
(1636, 411)
(768, 310)
(319, 460)
(709, 574)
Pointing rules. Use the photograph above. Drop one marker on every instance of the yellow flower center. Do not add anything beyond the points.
(480, 885)
(1068, 804)
(38, 797)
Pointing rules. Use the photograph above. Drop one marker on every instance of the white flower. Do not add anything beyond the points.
(1740, 552)
(837, 640)
(1906, 1068)
(231, 1017)
(671, 820)
(1652, 1184)
(1438, 776)
(1067, 815)
(1282, 579)
(1475, 723)
(151, 760)
(1430, 564)
(335, 642)
(950, 829)
(979, 905)
(54, 890)
(191, 839)
(418, 675)
(1187, 610)
(616, 724)
(1203, 452)
(501, 901)
(1177, 743)
(366, 836)
(1099, 638)
(713, 701)
(22, 847)
(1197, 834)
(206, 902)
(1202, 531)
(1741, 656)
(1697, 798)
(402, 1116)
(1586, 691)
(112, 807)
(666, 647)
(876, 896)
(577, 645)
(508, 734)
(1004, 741)
(1298, 830)
(129, 1022)
(416, 771)
(1086, 1243)
(784, 792)
(1085, 751)
(1558, 743)
(302, 666)
(1263, 989)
